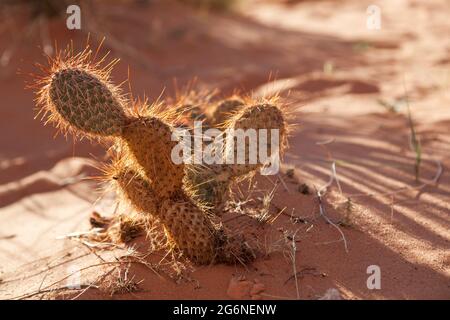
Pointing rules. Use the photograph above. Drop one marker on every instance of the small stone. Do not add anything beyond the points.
(331, 294)
(239, 288)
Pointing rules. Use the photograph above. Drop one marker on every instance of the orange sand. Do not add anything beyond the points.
(43, 193)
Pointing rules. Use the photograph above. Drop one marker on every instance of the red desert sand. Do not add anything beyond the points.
(346, 199)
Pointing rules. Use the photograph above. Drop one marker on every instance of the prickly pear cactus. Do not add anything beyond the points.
(212, 183)
(78, 96)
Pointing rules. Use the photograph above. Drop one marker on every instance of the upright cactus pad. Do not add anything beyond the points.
(259, 116)
(211, 183)
(76, 95)
(186, 225)
(87, 103)
(148, 142)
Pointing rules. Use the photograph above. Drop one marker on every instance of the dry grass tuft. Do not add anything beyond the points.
(121, 282)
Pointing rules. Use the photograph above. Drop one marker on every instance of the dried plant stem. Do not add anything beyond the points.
(320, 193)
